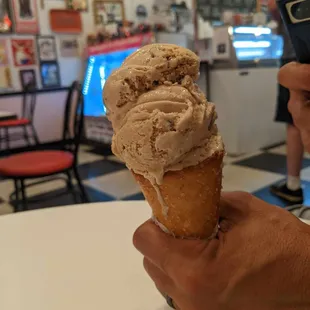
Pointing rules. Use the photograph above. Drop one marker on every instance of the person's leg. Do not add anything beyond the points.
(294, 153)
(290, 190)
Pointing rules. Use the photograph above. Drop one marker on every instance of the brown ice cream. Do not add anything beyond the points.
(162, 120)
(163, 124)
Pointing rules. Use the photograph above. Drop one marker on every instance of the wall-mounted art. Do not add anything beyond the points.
(25, 16)
(108, 12)
(69, 47)
(77, 5)
(5, 79)
(65, 21)
(50, 74)
(28, 78)
(6, 23)
(23, 52)
(3, 52)
(47, 48)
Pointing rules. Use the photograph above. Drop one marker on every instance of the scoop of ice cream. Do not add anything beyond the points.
(161, 119)
(149, 67)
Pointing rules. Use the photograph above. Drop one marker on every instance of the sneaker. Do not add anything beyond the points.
(281, 191)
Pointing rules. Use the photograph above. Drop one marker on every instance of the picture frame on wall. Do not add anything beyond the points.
(77, 5)
(24, 52)
(5, 79)
(50, 74)
(46, 48)
(108, 12)
(69, 47)
(3, 52)
(28, 78)
(25, 16)
(6, 22)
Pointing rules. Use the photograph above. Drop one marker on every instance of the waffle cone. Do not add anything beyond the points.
(191, 199)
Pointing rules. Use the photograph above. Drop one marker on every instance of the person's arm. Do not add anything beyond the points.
(260, 260)
(296, 77)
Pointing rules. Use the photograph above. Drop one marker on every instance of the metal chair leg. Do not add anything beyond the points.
(84, 195)
(7, 137)
(1, 138)
(24, 197)
(17, 196)
(71, 187)
(26, 136)
(35, 134)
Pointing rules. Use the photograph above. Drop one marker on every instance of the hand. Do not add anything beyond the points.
(296, 77)
(260, 260)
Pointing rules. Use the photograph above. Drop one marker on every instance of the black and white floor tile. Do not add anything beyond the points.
(106, 179)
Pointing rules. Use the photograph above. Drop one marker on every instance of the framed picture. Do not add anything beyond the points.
(23, 52)
(69, 47)
(66, 21)
(6, 22)
(50, 74)
(47, 48)
(108, 12)
(3, 52)
(28, 78)
(77, 5)
(26, 16)
(5, 79)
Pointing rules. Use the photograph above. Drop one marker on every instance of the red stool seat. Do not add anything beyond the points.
(35, 164)
(15, 122)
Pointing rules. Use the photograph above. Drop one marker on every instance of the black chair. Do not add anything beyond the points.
(50, 163)
(21, 125)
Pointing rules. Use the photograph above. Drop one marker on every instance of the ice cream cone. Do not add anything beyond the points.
(186, 204)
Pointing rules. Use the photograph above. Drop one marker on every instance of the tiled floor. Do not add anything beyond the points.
(106, 179)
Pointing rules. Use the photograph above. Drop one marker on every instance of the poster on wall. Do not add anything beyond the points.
(23, 52)
(47, 48)
(26, 16)
(108, 12)
(5, 17)
(28, 78)
(3, 52)
(50, 74)
(77, 5)
(69, 47)
(5, 79)
(65, 21)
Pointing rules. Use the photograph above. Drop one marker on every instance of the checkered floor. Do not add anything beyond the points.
(106, 179)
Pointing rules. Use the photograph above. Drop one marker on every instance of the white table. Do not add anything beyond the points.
(5, 115)
(75, 258)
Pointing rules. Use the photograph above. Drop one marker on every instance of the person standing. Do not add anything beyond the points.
(290, 190)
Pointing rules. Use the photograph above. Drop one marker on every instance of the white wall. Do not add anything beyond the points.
(48, 118)
(72, 68)
(50, 106)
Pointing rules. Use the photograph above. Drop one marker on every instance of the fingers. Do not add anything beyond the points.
(161, 280)
(165, 252)
(295, 76)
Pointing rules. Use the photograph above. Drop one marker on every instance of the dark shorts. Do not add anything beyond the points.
(282, 114)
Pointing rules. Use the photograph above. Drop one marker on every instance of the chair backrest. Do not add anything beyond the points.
(74, 118)
(29, 102)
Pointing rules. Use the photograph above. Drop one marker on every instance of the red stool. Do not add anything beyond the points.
(25, 123)
(39, 164)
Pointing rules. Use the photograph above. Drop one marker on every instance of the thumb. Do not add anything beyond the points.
(163, 250)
